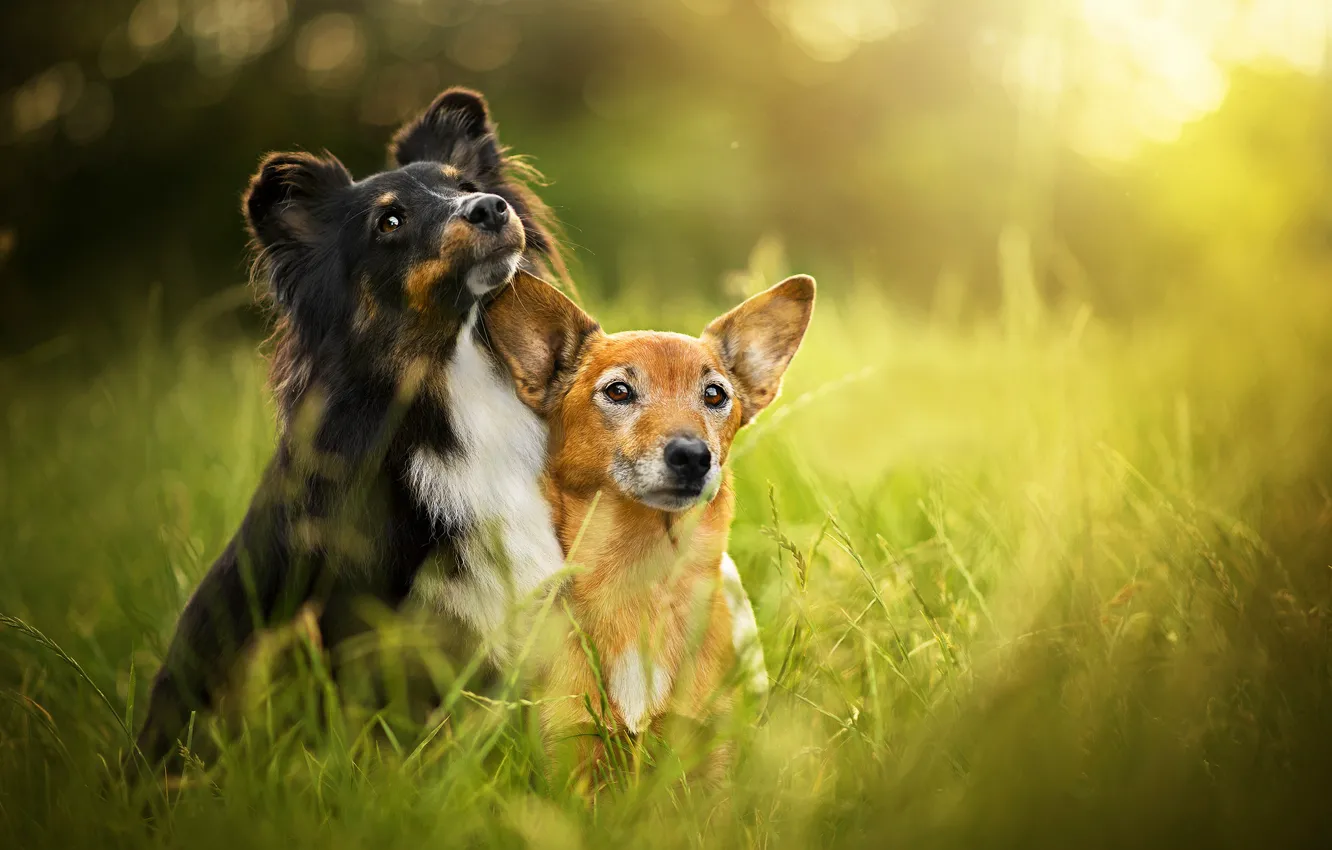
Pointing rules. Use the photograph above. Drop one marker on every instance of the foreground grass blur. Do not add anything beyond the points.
(1038, 580)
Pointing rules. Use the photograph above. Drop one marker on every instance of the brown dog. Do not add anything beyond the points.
(640, 427)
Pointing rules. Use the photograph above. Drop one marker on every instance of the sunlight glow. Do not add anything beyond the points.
(1149, 71)
(1139, 71)
(831, 30)
(1294, 33)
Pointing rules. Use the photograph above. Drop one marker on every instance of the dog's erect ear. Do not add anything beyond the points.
(455, 129)
(538, 333)
(757, 340)
(289, 193)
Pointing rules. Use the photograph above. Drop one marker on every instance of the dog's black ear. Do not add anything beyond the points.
(538, 334)
(455, 129)
(290, 194)
(292, 208)
(757, 340)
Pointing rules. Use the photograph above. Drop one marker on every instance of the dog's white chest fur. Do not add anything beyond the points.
(639, 689)
(491, 490)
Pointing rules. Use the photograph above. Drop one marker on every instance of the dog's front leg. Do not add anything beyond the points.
(342, 523)
(262, 577)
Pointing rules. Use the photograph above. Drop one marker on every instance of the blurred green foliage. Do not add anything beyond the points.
(1137, 153)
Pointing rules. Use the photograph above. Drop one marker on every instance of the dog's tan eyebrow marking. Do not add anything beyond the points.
(386, 199)
(451, 172)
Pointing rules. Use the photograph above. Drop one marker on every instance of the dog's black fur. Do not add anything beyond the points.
(372, 280)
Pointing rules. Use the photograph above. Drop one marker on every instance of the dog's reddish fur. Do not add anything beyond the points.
(649, 580)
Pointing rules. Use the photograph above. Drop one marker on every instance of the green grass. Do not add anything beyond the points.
(1039, 581)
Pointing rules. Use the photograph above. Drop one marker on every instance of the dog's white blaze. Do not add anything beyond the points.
(744, 629)
(492, 491)
(630, 692)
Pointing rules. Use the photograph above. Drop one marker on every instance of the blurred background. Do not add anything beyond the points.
(1126, 154)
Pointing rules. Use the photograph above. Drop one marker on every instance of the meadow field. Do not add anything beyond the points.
(1033, 580)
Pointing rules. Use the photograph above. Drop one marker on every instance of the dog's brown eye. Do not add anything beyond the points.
(467, 187)
(619, 392)
(389, 222)
(714, 396)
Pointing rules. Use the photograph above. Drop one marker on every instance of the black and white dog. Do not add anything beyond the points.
(406, 466)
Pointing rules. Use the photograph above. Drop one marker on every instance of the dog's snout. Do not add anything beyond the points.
(688, 458)
(486, 212)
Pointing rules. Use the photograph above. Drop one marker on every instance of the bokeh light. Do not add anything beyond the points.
(228, 33)
(831, 30)
(331, 48)
(151, 23)
(1139, 71)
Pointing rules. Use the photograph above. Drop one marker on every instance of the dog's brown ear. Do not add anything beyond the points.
(537, 332)
(757, 340)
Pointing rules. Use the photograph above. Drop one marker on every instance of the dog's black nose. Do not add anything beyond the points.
(488, 212)
(688, 458)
